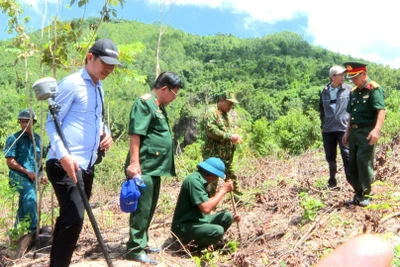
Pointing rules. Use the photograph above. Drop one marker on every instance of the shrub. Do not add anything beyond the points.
(310, 205)
(262, 138)
(297, 132)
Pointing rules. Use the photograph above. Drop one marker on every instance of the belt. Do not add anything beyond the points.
(361, 125)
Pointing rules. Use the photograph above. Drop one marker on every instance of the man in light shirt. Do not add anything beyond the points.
(334, 118)
(80, 97)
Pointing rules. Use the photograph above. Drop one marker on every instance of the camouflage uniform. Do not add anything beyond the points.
(218, 130)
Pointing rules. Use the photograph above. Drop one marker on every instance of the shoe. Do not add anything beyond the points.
(355, 201)
(364, 203)
(150, 250)
(332, 187)
(220, 245)
(25, 243)
(94, 205)
(332, 183)
(143, 258)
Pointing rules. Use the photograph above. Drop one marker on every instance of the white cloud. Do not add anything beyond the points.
(361, 29)
(258, 10)
(33, 3)
(364, 29)
(38, 4)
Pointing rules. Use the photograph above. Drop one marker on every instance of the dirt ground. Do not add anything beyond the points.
(273, 231)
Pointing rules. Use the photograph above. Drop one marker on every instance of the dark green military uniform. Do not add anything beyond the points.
(189, 223)
(20, 146)
(156, 159)
(363, 106)
(218, 130)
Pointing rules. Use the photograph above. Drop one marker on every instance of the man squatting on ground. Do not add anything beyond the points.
(192, 220)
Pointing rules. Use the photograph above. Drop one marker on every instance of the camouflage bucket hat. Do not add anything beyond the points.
(230, 96)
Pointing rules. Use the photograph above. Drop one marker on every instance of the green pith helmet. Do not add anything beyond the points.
(26, 115)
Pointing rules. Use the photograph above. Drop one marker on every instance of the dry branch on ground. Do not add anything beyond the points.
(272, 228)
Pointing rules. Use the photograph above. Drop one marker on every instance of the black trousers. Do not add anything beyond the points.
(331, 140)
(69, 223)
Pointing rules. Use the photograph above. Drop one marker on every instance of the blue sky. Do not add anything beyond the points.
(363, 29)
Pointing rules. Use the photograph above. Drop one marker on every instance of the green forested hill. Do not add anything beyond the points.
(277, 78)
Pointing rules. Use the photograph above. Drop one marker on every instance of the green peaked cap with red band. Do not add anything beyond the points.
(354, 68)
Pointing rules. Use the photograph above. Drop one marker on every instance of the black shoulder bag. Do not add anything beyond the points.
(101, 153)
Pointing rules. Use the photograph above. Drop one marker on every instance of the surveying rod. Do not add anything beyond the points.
(45, 89)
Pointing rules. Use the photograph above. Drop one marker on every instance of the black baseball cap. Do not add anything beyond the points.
(107, 51)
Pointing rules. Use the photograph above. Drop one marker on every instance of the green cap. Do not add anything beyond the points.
(229, 96)
(26, 114)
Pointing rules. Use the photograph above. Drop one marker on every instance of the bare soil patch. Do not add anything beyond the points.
(273, 229)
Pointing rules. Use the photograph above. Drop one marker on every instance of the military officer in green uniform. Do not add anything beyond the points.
(151, 156)
(220, 138)
(192, 220)
(367, 114)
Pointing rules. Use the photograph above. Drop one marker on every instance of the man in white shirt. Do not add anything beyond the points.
(80, 97)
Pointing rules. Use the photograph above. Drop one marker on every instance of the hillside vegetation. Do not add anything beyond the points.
(276, 78)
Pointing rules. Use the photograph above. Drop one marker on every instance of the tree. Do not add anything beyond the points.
(162, 29)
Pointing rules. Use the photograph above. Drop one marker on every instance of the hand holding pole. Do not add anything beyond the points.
(45, 89)
(235, 212)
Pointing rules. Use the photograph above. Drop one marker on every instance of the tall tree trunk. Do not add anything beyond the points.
(161, 32)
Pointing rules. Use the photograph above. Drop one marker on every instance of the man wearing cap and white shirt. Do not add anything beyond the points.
(192, 219)
(220, 138)
(80, 97)
(333, 103)
(367, 114)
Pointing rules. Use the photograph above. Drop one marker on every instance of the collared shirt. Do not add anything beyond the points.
(80, 117)
(193, 192)
(150, 121)
(333, 94)
(365, 102)
(23, 151)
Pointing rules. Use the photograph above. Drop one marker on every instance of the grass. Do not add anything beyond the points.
(271, 192)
